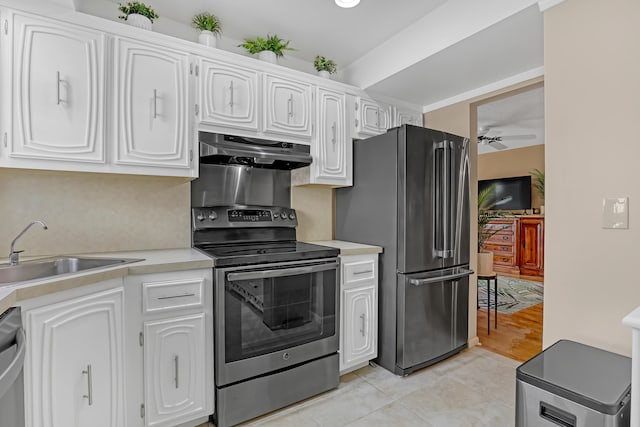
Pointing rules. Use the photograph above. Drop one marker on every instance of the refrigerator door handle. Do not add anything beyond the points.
(445, 202)
(420, 282)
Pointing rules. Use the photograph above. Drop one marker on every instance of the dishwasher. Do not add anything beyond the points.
(12, 347)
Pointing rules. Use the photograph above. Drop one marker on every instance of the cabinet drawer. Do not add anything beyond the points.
(501, 238)
(499, 248)
(503, 259)
(172, 294)
(359, 270)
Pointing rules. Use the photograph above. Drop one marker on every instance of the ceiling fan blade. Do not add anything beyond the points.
(497, 145)
(519, 137)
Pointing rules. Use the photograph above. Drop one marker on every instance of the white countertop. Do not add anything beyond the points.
(153, 261)
(349, 248)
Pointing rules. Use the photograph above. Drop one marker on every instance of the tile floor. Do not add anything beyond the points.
(473, 388)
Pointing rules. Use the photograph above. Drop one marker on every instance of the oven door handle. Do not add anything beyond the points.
(283, 272)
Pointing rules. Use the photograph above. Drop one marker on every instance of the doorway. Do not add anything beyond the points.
(510, 137)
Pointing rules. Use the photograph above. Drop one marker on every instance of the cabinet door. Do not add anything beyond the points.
(332, 150)
(360, 325)
(369, 118)
(229, 95)
(407, 117)
(58, 90)
(74, 368)
(175, 380)
(532, 247)
(287, 107)
(152, 105)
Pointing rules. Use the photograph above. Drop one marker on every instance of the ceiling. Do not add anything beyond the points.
(520, 117)
(422, 52)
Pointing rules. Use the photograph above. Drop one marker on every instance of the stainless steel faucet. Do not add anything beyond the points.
(14, 256)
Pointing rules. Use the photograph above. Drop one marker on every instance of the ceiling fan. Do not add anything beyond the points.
(495, 141)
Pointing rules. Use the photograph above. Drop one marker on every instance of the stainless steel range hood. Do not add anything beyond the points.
(222, 149)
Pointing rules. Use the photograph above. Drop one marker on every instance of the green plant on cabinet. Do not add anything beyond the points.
(323, 64)
(207, 22)
(139, 8)
(272, 43)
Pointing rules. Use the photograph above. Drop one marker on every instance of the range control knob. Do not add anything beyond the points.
(213, 216)
(283, 215)
(292, 216)
(200, 217)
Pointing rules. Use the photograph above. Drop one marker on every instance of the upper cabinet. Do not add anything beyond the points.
(58, 87)
(332, 150)
(287, 108)
(152, 105)
(228, 95)
(372, 117)
(407, 117)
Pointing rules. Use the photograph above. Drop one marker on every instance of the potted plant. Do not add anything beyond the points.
(325, 67)
(138, 14)
(485, 231)
(209, 26)
(268, 49)
(539, 186)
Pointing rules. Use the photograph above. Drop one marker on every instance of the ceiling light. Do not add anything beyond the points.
(347, 3)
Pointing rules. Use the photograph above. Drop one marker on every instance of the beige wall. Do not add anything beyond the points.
(315, 208)
(92, 212)
(592, 87)
(518, 162)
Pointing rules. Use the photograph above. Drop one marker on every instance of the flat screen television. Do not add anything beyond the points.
(509, 193)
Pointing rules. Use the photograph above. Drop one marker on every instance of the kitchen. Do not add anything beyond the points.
(121, 220)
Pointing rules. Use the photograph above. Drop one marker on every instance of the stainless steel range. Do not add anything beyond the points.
(275, 299)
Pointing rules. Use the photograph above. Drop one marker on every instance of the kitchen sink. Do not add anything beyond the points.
(45, 268)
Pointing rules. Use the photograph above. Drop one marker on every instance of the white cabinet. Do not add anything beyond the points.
(58, 87)
(358, 311)
(152, 107)
(332, 151)
(171, 342)
(405, 116)
(228, 95)
(372, 117)
(287, 107)
(74, 371)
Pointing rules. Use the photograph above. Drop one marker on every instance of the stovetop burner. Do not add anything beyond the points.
(260, 253)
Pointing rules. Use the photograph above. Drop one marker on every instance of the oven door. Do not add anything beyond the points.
(271, 316)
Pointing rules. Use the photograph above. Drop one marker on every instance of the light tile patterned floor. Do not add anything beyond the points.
(473, 388)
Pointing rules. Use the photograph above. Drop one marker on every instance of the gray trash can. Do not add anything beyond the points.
(573, 385)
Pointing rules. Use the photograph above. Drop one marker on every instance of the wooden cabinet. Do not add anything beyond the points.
(532, 246)
(58, 89)
(358, 311)
(372, 117)
(170, 340)
(152, 107)
(228, 95)
(74, 371)
(504, 244)
(287, 108)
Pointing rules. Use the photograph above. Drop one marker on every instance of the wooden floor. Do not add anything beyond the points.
(518, 336)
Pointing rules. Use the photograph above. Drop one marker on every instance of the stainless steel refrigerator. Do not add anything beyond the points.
(410, 195)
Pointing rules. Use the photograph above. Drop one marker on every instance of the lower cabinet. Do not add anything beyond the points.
(171, 348)
(74, 370)
(532, 246)
(358, 311)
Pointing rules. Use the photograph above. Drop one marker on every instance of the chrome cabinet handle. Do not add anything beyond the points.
(377, 118)
(290, 105)
(176, 365)
(155, 103)
(89, 395)
(231, 94)
(362, 272)
(6, 26)
(333, 133)
(363, 324)
(58, 81)
(177, 296)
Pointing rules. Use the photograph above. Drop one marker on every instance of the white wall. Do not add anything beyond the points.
(592, 107)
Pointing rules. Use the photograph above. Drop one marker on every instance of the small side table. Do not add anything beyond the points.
(488, 278)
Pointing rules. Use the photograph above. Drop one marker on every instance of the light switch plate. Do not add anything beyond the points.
(615, 212)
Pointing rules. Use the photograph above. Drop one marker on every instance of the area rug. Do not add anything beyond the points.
(513, 294)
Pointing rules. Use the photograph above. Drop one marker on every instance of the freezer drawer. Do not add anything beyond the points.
(537, 408)
(432, 317)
